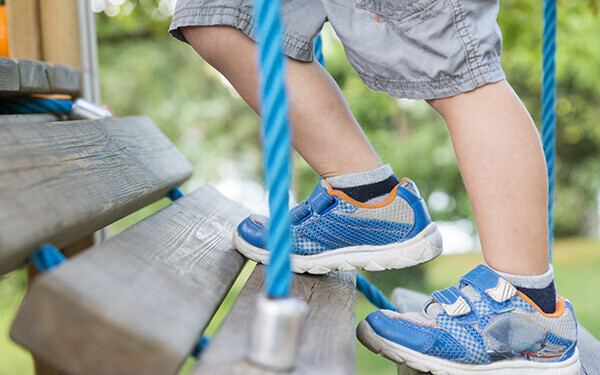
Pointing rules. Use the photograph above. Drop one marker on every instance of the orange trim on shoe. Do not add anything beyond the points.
(343, 196)
(560, 306)
(541, 355)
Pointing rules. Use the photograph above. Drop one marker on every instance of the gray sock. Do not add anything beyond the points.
(529, 282)
(361, 178)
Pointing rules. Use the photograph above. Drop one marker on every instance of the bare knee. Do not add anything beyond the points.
(215, 43)
(446, 106)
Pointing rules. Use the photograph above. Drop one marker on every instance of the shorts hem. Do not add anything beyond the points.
(294, 46)
(434, 89)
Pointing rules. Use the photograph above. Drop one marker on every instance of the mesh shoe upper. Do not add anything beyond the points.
(329, 219)
(482, 320)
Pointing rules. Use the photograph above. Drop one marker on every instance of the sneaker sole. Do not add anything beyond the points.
(420, 249)
(426, 363)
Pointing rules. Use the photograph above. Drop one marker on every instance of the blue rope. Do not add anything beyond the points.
(47, 257)
(276, 143)
(318, 42)
(549, 106)
(60, 107)
(175, 194)
(374, 295)
(200, 345)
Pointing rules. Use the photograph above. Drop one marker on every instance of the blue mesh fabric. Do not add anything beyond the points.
(305, 246)
(335, 231)
(476, 353)
(447, 347)
(552, 339)
(521, 304)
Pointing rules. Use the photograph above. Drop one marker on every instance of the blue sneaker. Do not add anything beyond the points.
(482, 326)
(331, 231)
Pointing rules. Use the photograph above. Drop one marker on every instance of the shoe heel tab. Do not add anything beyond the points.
(408, 185)
(560, 306)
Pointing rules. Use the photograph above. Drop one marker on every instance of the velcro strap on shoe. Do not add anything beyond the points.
(319, 200)
(487, 281)
(300, 212)
(453, 301)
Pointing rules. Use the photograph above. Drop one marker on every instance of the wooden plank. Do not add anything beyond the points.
(136, 303)
(62, 181)
(34, 76)
(9, 75)
(28, 118)
(588, 345)
(68, 251)
(589, 352)
(60, 32)
(65, 80)
(24, 37)
(18, 77)
(327, 342)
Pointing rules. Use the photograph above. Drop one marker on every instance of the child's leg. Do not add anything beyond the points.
(503, 168)
(324, 131)
(507, 322)
(381, 223)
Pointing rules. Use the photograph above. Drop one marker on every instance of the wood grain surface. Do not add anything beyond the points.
(28, 118)
(9, 75)
(23, 77)
(61, 181)
(24, 36)
(328, 342)
(136, 303)
(60, 32)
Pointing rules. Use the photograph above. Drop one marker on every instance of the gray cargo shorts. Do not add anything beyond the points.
(416, 49)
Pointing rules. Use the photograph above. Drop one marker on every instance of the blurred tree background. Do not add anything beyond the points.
(144, 70)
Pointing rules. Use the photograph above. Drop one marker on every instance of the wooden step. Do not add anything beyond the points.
(136, 303)
(23, 77)
(62, 181)
(328, 344)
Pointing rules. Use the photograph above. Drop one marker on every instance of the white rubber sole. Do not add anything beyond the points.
(420, 249)
(438, 366)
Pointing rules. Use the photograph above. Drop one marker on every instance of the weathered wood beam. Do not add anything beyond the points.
(137, 302)
(61, 181)
(23, 77)
(60, 32)
(24, 34)
(328, 342)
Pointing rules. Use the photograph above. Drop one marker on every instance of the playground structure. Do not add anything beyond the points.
(138, 302)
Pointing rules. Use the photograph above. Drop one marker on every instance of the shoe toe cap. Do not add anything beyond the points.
(253, 230)
(401, 331)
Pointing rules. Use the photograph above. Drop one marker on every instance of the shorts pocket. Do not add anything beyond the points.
(400, 12)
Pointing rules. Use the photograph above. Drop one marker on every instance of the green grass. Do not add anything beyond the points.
(576, 263)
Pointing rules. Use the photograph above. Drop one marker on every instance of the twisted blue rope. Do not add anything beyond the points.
(175, 194)
(374, 295)
(200, 345)
(47, 257)
(276, 143)
(318, 42)
(60, 107)
(549, 106)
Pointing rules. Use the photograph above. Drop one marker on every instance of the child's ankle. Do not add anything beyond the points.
(540, 288)
(368, 186)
